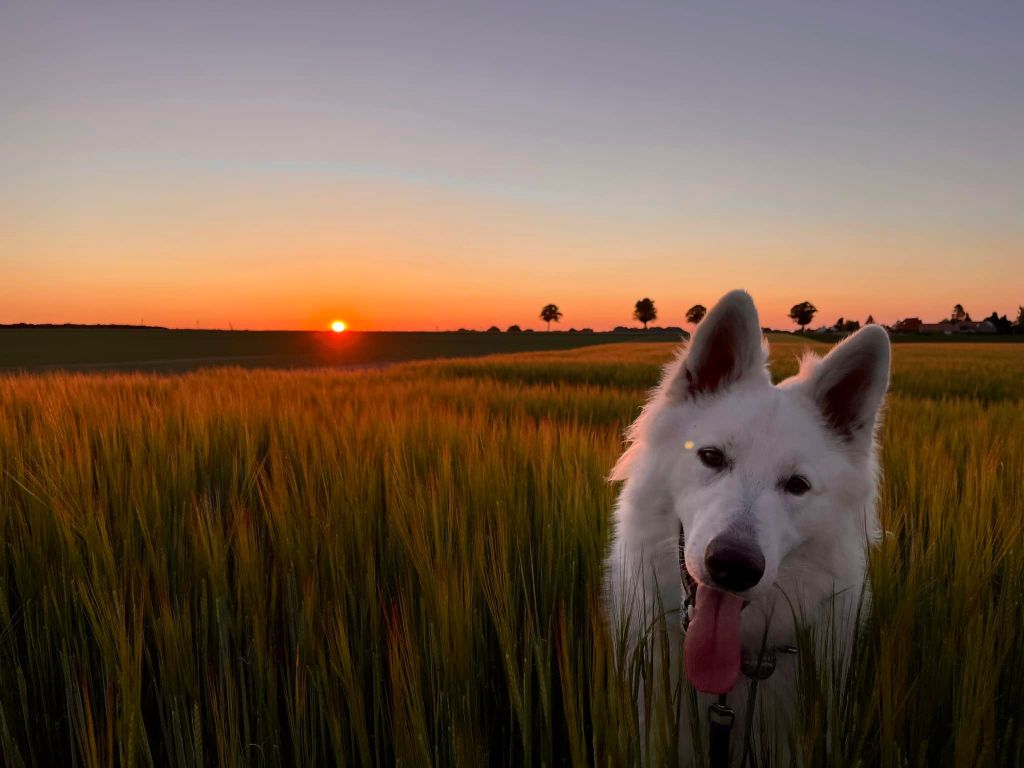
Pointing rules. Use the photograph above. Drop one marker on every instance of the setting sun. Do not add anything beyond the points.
(337, 326)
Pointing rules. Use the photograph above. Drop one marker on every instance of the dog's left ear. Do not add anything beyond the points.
(849, 384)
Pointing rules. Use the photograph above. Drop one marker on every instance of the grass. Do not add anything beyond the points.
(403, 566)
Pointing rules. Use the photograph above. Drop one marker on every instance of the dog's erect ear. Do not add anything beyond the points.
(725, 347)
(849, 384)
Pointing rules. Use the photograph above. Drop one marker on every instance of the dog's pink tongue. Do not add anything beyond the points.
(712, 646)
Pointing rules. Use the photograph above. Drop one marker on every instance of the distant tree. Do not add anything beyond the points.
(550, 312)
(839, 324)
(1001, 324)
(870, 320)
(494, 329)
(802, 314)
(1020, 317)
(514, 329)
(850, 326)
(645, 312)
(958, 315)
(696, 313)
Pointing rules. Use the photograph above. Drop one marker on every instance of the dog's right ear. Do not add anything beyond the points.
(726, 347)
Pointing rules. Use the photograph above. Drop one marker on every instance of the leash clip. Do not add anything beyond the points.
(721, 715)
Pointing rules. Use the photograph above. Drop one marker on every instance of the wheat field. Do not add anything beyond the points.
(403, 567)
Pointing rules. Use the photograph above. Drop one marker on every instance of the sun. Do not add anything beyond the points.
(337, 326)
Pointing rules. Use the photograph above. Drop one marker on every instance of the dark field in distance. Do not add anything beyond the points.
(115, 349)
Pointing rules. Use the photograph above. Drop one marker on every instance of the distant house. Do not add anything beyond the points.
(654, 330)
(909, 325)
(950, 327)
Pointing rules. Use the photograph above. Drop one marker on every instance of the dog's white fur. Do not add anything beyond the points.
(820, 424)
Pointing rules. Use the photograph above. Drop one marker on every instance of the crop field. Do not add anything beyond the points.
(403, 566)
(175, 351)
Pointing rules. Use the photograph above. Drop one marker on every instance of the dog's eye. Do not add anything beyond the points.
(711, 457)
(797, 485)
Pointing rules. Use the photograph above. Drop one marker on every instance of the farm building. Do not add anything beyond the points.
(949, 327)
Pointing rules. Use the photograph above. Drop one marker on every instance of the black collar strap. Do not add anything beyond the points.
(688, 583)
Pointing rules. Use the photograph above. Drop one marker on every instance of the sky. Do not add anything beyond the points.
(422, 165)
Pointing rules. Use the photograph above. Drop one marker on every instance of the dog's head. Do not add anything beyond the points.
(773, 484)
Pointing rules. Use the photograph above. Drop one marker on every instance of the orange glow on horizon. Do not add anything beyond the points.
(338, 326)
(427, 273)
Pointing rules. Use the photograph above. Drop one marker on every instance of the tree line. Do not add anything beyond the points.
(644, 311)
(801, 314)
(804, 312)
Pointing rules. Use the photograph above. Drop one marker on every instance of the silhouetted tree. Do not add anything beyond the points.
(494, 329)
(1020, 317)
(850, 326)
(645, 312)
(870, 320)
(696, 313)
(550, 312)
(803, 313)
(514, 329)
(1001, 324)
(839, 324)
(958, 315)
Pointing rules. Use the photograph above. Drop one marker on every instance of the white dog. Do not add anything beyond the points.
(765, 493)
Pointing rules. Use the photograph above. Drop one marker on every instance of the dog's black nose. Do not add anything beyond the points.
(734, 565)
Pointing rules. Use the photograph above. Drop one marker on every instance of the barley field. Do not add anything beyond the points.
(403, 567)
